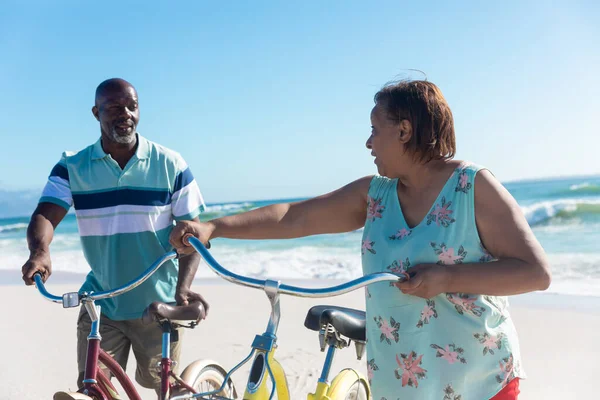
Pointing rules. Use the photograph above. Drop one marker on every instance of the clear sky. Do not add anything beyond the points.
(270, 100)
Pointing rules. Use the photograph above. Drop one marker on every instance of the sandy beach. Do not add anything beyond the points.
(557, 332)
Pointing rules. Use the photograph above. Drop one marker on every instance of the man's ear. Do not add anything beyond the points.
(95, 112)
(405, 131)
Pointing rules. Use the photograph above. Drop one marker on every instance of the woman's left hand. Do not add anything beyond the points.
(426, 280)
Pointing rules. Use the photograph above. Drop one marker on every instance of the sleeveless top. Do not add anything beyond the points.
(452, 346)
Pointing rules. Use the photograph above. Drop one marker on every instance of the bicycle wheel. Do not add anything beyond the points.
(209, 378)
(349, 385)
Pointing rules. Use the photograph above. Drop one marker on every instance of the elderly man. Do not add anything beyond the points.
(127, 192)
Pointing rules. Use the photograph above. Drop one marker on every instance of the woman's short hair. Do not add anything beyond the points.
(423, 104)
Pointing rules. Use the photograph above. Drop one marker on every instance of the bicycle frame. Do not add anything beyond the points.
(96, 383)
(263, 347)
(91, 386)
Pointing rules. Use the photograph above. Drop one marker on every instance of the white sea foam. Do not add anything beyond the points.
(573, 273)
(545, 210)
(13, 227)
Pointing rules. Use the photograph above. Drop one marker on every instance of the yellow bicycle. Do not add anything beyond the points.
(337, 327)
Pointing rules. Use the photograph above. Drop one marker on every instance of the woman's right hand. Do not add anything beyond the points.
(183, 229)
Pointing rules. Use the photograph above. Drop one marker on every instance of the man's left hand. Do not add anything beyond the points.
(185, 296)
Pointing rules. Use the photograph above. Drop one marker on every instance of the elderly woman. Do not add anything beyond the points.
(446, 332)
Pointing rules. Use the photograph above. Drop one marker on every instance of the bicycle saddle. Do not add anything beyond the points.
(347, 321)
(159, 311)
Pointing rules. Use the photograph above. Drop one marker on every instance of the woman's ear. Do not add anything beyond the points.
(405, 131)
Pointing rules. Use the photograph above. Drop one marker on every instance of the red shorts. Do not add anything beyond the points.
(510, 391)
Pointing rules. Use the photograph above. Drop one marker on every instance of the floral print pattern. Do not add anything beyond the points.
(464, 303)
(371, 367)
(374, 208)
(450, 353)
(401, 234)
(449, 393)
(367, 245)
(463, 184)
(410, 370)
(486, 257)
(389, 331)
(398, 267)
(507, 372)
(441, 214)
(446, 254)
(489, 342)
(428, 312)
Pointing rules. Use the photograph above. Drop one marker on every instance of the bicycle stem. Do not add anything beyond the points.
(272, 291)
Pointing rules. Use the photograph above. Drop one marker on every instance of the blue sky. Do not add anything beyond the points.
(270, 100)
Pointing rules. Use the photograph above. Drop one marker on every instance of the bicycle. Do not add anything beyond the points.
(337, 327)
(97, 385)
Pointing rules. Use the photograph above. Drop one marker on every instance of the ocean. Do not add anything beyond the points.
(563, 213)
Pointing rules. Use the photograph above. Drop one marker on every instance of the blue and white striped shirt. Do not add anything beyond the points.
(125, 217)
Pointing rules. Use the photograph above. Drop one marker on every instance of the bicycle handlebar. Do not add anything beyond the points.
(73, 299)
(39, 284)
(288, 289)
(67, 299)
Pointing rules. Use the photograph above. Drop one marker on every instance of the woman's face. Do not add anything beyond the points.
(387, 143)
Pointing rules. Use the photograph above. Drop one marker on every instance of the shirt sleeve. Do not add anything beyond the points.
(58, 188)
(187, 201)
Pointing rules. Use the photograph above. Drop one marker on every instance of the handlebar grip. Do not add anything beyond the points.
(40, 275)
(189, 235)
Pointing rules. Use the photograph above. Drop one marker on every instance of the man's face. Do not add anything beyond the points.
(118, 113)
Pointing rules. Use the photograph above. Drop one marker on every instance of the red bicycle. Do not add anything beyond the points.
(199, 377)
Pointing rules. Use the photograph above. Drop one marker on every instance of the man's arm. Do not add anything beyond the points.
(188, 266)
(40, 232)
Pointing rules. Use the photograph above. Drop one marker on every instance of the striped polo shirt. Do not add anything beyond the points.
(125, 217)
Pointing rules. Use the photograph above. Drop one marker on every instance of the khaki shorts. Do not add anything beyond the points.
(118, 337)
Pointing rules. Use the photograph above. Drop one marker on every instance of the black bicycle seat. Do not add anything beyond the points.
(159, 311)
(347, 321)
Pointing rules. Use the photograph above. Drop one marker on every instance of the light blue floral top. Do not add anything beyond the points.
(453, 346)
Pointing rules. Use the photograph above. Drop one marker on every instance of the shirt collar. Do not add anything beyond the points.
(142, 151)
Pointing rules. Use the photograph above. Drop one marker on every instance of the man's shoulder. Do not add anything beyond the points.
(74, 156)
(163, 153)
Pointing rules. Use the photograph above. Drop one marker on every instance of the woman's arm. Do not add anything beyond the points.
(342, 210)
(521, 266)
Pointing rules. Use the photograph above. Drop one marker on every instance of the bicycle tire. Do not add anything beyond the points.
(209, 378)
(349, 385)
(71, 396)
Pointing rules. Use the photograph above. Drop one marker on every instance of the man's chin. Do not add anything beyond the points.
(123, 139)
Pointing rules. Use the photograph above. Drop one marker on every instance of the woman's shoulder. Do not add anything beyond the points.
(380, 185)
(468, 166)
